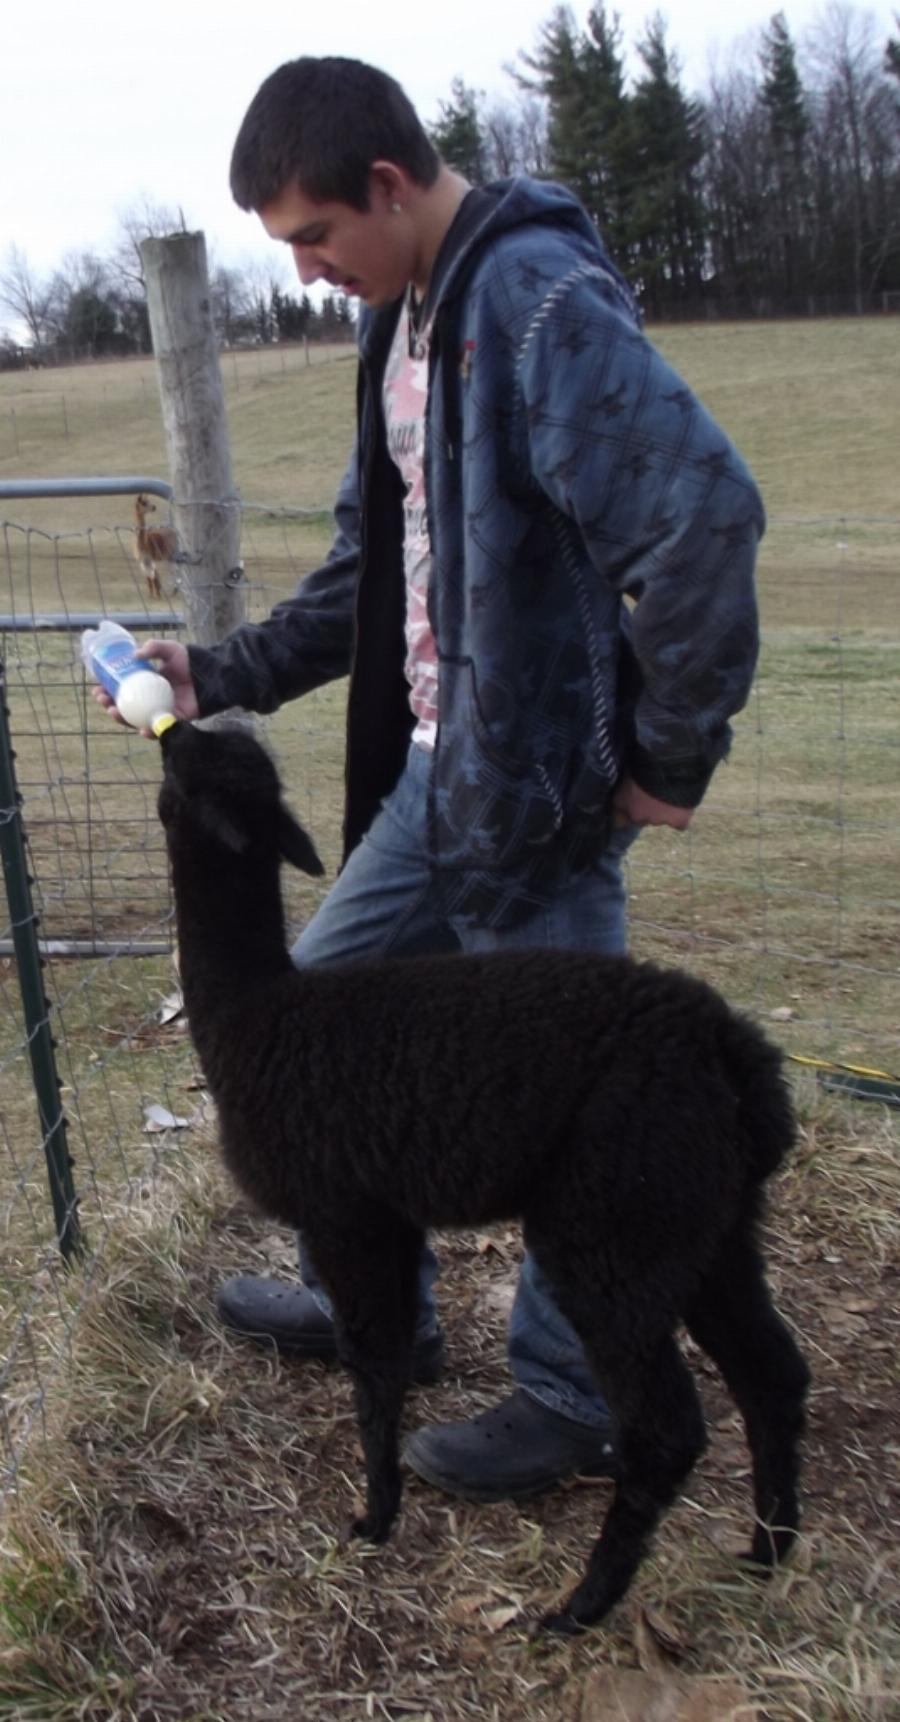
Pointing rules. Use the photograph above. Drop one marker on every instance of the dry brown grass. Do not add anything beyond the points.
(179, 1550)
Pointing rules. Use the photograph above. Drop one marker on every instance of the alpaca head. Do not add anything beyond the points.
(221, 785)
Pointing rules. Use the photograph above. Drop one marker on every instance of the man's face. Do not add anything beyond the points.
(369, 253)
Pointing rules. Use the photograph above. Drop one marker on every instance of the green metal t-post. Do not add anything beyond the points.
(35, 1004)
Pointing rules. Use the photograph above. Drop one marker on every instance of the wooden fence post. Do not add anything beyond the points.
(206, 508)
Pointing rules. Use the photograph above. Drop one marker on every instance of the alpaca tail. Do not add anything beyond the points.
(766, 1119)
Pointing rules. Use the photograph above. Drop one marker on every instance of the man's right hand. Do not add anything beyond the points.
(171, 659)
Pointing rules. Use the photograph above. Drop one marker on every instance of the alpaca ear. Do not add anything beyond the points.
(208, 814)
(295, 846)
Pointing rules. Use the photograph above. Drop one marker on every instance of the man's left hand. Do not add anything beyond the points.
(633, 806)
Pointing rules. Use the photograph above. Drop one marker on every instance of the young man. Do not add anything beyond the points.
(525, 463)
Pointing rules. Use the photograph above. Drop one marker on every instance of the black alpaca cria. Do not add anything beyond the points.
(623, 1112)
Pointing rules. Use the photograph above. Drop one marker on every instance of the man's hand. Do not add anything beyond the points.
(171, 660)
(632, 805)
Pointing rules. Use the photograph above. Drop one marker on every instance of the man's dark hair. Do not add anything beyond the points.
(320, 124)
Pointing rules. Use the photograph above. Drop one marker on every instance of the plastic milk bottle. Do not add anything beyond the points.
(142, 696)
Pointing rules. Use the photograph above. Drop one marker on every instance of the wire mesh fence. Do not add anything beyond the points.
(783, 893)
(785, 890)
(128, 1094)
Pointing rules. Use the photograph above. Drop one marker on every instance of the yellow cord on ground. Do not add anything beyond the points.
(849, 1069)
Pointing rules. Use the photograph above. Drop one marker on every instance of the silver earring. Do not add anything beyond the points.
(396, 208)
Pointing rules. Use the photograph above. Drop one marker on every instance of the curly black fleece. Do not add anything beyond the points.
(623, 1112)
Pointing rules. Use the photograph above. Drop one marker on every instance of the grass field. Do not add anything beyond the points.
(176, 1550)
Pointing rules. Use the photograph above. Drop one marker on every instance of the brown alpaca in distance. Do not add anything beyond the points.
(154, 544)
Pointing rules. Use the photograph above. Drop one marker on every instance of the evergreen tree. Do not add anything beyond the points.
(335, 319)
(787, 189)
(90, 327)
(556, 68)
(582, 78)
(667, 223)
(291, 318)
(458, 136)
(134, 322)
(892, 53)
(606, 129)
(782, 91)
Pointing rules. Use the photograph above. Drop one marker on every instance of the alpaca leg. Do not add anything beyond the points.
(735, 1322)
(660, 1435)
(151, 575)
(658, 1424)
(372, 1278)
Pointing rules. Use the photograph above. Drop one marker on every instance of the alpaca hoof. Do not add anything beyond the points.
(561, 1622)
(761, 1568)
(371, 1528)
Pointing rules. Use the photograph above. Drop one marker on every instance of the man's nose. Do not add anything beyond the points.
(307, 265)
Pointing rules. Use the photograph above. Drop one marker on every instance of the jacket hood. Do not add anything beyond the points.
(484, 215)
(508, 204)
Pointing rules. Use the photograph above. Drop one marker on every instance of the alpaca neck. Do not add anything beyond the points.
(231, 930)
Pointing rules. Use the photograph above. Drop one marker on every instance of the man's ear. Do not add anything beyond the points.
(295, 846)
(389, 187)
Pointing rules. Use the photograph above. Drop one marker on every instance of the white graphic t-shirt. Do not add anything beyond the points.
(405, 391)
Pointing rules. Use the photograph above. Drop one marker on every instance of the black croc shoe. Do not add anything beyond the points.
(517, 1449)
(276, 1313)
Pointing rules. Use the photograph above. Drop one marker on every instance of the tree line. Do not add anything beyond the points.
(778, 191)
(95, 306)
(775, 192)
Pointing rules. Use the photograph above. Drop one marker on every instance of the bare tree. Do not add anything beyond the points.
(83, 272)
(232, 305)
(86, 314)
(846, 64)
(261, 281)
(33, 300)
(515, 137)
(142, 219)
(733, 173)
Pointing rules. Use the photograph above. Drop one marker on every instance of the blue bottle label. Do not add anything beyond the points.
(113, 662)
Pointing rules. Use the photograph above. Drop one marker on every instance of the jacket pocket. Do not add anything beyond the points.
(495, 802)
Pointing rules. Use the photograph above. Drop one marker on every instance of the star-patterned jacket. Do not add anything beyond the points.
(594, 537)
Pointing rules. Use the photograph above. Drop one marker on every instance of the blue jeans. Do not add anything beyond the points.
(385, 902)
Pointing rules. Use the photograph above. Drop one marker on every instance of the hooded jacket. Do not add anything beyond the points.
(594, 538)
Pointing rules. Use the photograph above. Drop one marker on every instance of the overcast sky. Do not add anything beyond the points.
(102, 104)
